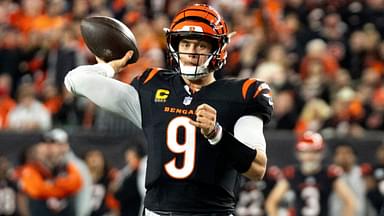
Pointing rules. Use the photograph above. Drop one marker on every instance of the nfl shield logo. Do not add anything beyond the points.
(187, 100)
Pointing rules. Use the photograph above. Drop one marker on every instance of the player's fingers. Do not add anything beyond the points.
(206, 116)
(127, 56)
(119, 64)
(205, 122)
(202, 122)
(205, 107)
(195, 123)
(99, 60)
(123, 61)
(205, 110)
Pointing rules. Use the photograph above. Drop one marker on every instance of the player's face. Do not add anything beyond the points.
(310, 161)
(196, 51)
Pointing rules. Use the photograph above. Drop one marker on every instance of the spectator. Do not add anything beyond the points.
(11, 55)
(313, 116)
(82, 199)
(49, 191)
(348, 113)
(6, 102)
(345, 156)
(375, 111)
(285, 111)
(51, 99)
(317, 51)
(102, 201)
(131, 190)
(29, 114)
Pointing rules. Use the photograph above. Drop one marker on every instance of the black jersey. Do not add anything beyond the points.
(253, 194)
(185, 172)
(312, 191)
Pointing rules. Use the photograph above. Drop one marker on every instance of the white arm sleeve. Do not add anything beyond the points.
(249, 130)
(96, 83)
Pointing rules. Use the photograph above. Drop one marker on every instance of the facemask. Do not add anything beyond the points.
(195, 72)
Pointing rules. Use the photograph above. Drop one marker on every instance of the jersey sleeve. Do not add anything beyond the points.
(96, 83)
(258, 98)
(145, 77)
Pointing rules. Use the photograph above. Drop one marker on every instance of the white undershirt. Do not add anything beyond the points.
(96, 83)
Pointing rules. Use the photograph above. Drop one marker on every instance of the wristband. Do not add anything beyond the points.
(213, 133)
(240, 155)
(218, 134)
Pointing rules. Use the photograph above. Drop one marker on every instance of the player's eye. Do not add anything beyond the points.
(184, 44)
(203, 44)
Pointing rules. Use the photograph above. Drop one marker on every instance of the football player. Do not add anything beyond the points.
(201, 132)
(311, 182)
(252, 194)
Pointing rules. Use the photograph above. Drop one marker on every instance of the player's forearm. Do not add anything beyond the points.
(95, 83)
(258, 167)
(249, 131)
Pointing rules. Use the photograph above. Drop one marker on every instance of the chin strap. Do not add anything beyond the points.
(195, 72)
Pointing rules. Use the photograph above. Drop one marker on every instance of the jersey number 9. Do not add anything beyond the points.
(187, 147)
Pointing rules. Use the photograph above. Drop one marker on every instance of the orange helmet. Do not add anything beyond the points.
(199, 21)
(310, 141)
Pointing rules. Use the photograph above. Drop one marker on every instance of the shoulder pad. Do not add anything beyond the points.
(258, 98)
(150, 73)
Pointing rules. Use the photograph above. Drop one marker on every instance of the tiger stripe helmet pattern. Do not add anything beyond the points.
(199, 21)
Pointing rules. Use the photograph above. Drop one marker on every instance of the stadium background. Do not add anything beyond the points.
(324, 60)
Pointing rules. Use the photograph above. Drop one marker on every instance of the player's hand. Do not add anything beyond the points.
(205, 119)
(118, 64)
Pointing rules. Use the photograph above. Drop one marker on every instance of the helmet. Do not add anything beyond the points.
(310, 141)
(198, 21)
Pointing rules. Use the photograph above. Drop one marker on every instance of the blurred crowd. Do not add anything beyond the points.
(50, 179)
(324, 59)
(323, 182)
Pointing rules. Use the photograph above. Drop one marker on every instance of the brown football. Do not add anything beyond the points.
(108, 38)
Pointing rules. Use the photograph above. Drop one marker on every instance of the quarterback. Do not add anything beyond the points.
(202, 133)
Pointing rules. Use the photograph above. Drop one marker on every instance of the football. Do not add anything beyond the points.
(108, 38)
